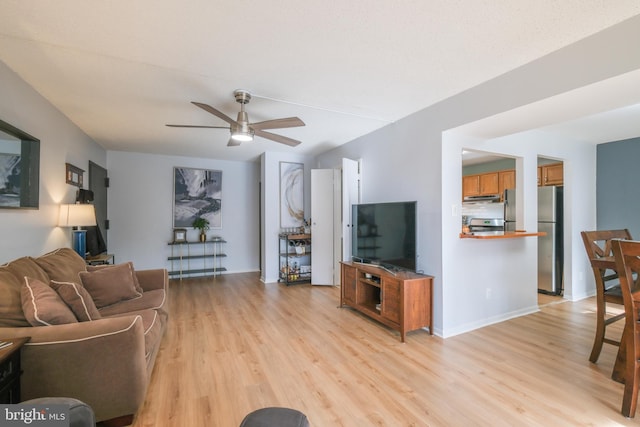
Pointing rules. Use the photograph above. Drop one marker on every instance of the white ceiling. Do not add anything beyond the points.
(121, 70)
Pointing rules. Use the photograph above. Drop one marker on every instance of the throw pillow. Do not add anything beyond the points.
(42, 306)
(78, 300)
(91, 268)
(110, 285)
(62, 265)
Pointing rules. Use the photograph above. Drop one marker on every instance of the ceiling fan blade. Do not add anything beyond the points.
(277, 138)
(219, 114)
(233, 143)
(198, 126)
(289, 122)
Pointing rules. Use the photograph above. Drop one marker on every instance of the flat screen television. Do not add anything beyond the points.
(385, 234)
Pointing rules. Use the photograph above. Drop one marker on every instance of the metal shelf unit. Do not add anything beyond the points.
(295, 258)
(200, 259)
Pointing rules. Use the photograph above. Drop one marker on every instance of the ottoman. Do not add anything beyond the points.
(275, 417)
(80, 414)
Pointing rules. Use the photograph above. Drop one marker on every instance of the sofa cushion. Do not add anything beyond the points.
(26, 266)
(154, 299)
(11, 314)
(42, 306)
(62, 265)
(78, 300)
(110, 285)
(136, 283)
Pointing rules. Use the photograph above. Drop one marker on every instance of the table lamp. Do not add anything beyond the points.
(78, 215)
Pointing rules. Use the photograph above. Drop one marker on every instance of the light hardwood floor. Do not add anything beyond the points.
(235, 344)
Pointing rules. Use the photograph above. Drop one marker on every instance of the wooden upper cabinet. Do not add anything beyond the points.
(470, 185)
(489, 183)
(507, 181)
(539, 176)
(552, 174)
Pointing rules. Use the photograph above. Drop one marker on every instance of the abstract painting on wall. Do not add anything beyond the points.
(9, 180)
(197, 193)
(291, 194)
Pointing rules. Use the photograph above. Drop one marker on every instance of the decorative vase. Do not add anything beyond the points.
(203, 236)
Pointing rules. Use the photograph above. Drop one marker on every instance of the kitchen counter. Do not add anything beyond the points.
(501, 234)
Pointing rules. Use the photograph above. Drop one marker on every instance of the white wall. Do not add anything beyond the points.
(270, 178)
(501, 275)
(411, 160)
(141, 209)
(34, 232)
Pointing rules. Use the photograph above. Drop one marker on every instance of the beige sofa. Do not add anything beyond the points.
(106, 360)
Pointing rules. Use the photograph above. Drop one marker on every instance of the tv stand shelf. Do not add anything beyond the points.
(401, 300)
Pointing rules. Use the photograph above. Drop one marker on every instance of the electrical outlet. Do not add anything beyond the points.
(454, 210)
(488, 293)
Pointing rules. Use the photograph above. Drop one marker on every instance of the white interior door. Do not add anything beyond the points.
(350, 196)
(322, 226)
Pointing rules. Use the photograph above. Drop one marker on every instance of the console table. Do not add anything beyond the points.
(196, 259)
(401, 300)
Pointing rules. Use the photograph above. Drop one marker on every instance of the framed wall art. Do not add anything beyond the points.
(197, 193)
(291, 194)
(74, 175)
(19, 169)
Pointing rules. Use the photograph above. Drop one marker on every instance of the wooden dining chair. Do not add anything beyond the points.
(627, 256)
(598, 247)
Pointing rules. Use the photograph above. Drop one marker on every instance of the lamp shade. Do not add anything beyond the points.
(77, 215)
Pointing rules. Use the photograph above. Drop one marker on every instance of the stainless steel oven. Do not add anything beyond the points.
(486, 225)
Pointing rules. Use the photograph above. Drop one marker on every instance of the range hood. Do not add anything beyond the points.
(491, 198)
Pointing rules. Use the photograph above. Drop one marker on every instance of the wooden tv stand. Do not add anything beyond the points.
(401, 300)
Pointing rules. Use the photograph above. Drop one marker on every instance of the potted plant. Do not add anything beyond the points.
(201, 224)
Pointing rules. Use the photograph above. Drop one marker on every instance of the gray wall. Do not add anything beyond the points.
(618, 186)
(497, 165)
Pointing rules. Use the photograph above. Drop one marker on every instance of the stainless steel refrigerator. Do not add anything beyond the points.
(509, 210)
(551, 246)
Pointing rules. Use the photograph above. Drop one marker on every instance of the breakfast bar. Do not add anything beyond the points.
(501, 234)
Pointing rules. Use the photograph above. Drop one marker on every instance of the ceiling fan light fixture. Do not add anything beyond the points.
(242, 136)
(242, 132)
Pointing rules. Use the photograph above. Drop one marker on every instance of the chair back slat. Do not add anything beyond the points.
(598, 243)
(627, 258)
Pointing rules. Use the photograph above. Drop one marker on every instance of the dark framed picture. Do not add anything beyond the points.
(19, 169)
(197, 193)
(74, 175)
(179, 235)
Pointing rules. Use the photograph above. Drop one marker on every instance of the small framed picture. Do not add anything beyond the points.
(74, 175)
(179, 235)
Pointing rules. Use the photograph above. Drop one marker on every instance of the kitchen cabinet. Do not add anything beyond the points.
(506, 181)
(470, 185)
(490, 183)
(551, 174)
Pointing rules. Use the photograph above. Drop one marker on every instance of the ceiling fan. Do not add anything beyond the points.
(242, 130)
